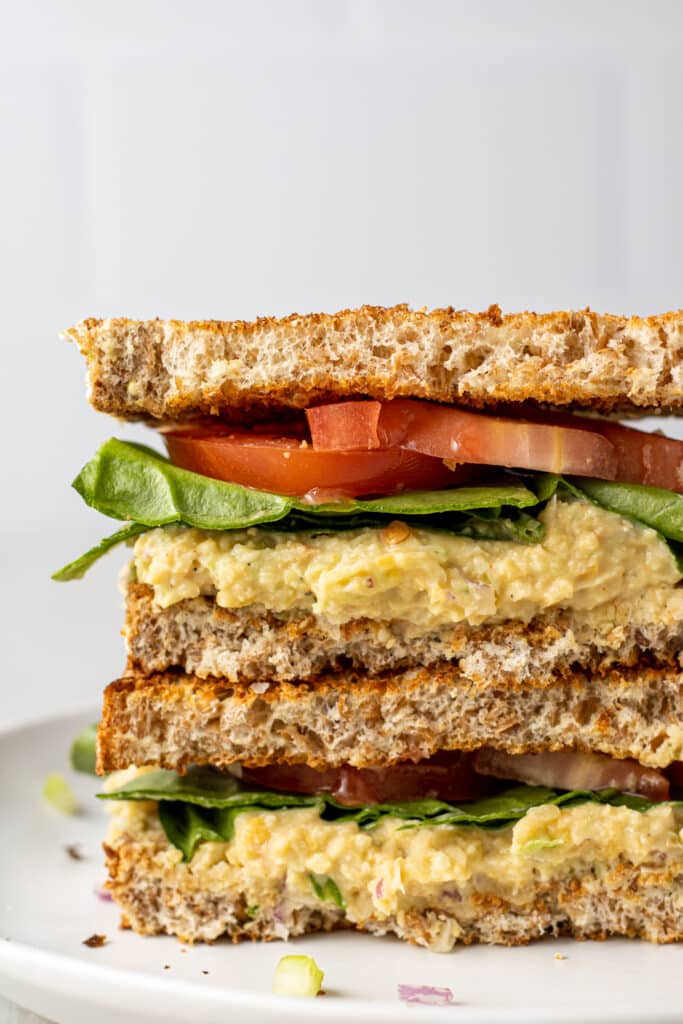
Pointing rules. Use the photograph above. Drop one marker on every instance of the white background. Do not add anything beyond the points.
(224, 159)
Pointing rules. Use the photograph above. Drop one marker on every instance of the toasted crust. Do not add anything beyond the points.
(246, 645)
(157, 894)
(172, 369)
(363, 720)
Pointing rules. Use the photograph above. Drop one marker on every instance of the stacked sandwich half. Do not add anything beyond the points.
(404, 623)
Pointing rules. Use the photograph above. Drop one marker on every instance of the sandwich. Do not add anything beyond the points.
(404, 625)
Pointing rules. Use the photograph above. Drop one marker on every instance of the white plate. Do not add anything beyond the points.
(48, 905)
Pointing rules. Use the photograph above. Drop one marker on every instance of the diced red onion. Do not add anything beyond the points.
(425, 995)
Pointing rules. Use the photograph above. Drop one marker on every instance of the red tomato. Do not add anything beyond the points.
(354, 428)
(465, 437)
(572, 769)
(447, 776)
(644, 458)
(289, 466)
(454, 775)
(555, 442)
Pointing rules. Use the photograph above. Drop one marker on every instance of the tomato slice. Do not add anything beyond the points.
(371, 448)
(570, 769)
(644, 458)
(454, 775)
(465, 437)
(354, 429)
(446, 776)
(286, 465)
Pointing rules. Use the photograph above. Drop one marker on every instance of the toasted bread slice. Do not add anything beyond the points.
(250, 644)
(174, 720)
(171, 369)
(614, 871)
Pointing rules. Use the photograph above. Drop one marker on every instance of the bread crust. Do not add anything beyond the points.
(172, 369)
(174, 720)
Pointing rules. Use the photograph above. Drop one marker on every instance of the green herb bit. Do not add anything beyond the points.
(326, 889)
(59, 793)
(297, 976)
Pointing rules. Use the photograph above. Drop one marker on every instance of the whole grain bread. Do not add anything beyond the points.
(246, 645)
(583, 907)
(174, 720)
(171, 369)
(157, 893)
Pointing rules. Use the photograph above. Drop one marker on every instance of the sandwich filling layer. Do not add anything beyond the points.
(601, 567)
(436, 885)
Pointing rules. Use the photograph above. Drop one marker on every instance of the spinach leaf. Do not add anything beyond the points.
(203, 787)
(653, 506)
(133, 482)
(186, 826)
(203, 804)
(130, 481)
(76, 570)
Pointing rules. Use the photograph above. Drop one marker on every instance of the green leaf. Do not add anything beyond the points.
(186, 826)
(544, 485)
(653, 506)
(217, 798)
(427, 503)
(204, 787)
(76, 570)
(131, 481)
(203, 803)
(83, 754)
(522, 528)
(327, 890)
